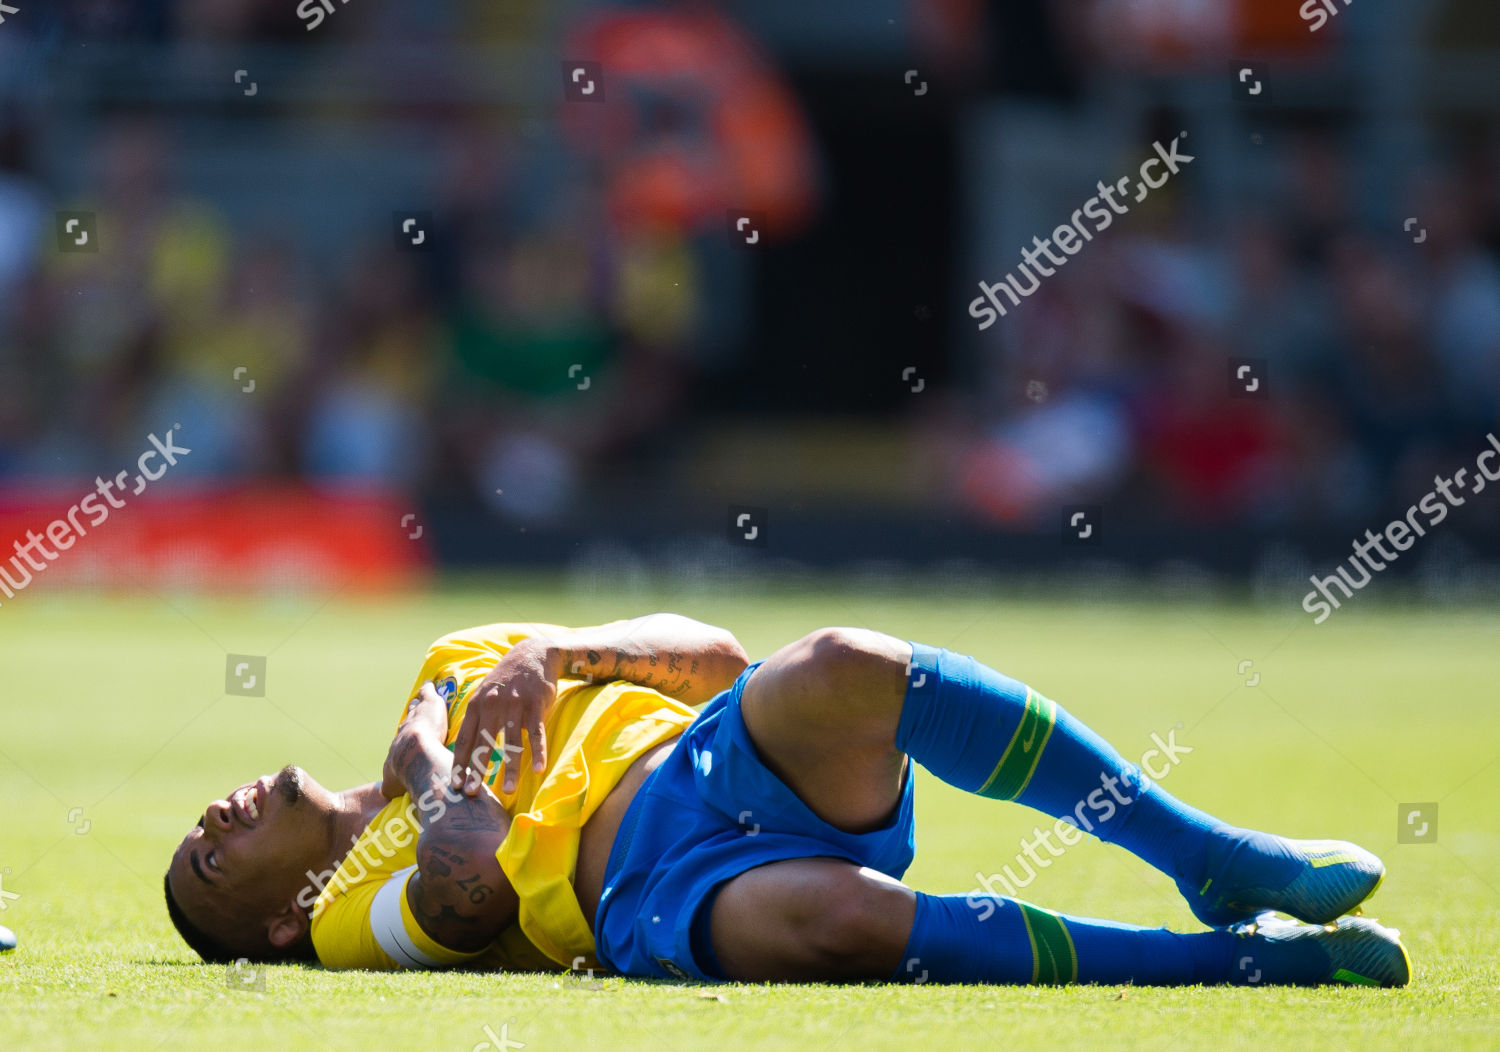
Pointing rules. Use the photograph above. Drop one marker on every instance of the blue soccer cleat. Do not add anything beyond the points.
(1248, 873)
(1356, 952)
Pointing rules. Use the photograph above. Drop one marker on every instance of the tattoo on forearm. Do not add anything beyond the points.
(666, 672)
(437, 918)
(461, 896)
(687, 666)
(441, 862)
(477, 892)
(421, 771)
(473, 816)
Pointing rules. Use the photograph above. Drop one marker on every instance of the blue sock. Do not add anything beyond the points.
(989, 734)
(990, 939)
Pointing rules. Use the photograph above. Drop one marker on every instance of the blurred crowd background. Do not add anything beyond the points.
(585, 343)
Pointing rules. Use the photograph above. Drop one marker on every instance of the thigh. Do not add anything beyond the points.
(823, 713)
(811, 919)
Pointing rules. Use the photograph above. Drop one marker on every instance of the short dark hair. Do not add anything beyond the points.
(203, 944)
(214, 951)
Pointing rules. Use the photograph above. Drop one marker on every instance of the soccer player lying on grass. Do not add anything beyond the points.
(761, 839)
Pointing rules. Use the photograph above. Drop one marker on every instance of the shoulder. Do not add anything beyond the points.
(342, 935)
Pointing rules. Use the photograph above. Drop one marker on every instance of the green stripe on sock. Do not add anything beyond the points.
(1018, 763)
(1054, 960)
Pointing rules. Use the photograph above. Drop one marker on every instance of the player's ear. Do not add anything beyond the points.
(288, 926)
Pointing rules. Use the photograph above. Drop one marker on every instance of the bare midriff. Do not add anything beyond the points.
(598, 835)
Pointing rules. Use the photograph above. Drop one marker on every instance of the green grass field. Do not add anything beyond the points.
(115, 731)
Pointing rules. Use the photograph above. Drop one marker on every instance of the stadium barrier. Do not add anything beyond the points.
(271, 538)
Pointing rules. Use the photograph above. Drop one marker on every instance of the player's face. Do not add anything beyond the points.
(249, 854)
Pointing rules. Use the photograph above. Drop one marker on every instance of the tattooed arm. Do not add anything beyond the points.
(675, 655)
(459, 894)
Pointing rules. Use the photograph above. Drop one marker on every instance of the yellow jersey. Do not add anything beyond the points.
(361, 918)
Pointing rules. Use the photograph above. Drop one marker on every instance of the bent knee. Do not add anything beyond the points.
(841, 686)
(841, 658)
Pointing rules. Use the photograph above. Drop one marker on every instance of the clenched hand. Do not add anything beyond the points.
(422, 734)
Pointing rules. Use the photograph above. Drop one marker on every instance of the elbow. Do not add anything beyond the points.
(719, 642)
(463, 907)
(736, 660)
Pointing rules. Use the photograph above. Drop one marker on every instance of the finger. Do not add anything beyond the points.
(414, 703)
(429, 694)
(468, 737)
(536, 730)
(429, 702)
(479, 761)
(510, 738)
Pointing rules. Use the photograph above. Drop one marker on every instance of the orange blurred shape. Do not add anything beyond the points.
(1175, 33)
(694, 122)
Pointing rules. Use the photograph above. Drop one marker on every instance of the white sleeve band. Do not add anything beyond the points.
(389, 926)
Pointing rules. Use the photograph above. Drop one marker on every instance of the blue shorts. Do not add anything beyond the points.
(708, 813)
